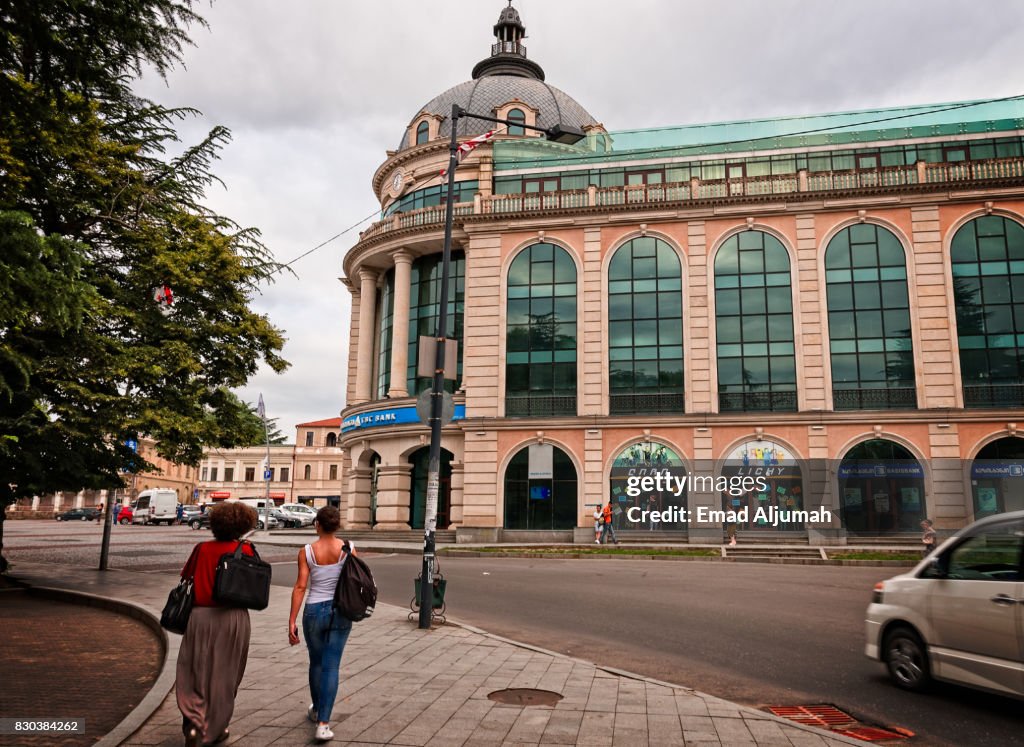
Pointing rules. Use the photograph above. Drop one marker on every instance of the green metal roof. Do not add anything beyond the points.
(836, 129)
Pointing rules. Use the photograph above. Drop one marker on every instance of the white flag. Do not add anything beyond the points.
(260, 410)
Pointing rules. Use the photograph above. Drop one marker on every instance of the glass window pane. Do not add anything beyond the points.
(728, 329)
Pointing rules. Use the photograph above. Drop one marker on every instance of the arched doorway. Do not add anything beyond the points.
(774, 467)
(997, 477)
(630, 467)
(420, 461)
(881, 488)
(539, 497)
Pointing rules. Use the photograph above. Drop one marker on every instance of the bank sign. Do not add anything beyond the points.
(393, 416)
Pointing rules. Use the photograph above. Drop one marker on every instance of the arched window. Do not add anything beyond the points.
(385, 334)
(424, 302)
(996, 477)
(517, 116)
(548, 503)
(869, 320)
(307, 472)
(540, 367)
(754, 322)
(332, 440)
(422, 132)
(641, 460)
(645, 328)
(777, 469)
(881, 487)
(988, 290)
(420, 460)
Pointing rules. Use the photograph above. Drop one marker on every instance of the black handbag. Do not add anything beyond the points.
(242, 580)
(178, 608)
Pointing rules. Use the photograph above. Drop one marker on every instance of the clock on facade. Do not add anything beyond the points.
(396, 182)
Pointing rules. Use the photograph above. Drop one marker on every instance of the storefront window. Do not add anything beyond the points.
(779, 487)
(881, 488)
(641, 460)
(385, 334)
(997, 477)
(869, 320)
(645, 328)
(546, 503)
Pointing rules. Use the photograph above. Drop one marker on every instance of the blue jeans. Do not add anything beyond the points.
(326, 632)
(607, 529)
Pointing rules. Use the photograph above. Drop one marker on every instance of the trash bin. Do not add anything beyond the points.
(438, 596)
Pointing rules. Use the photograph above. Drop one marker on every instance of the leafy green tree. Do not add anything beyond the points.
(94, 215)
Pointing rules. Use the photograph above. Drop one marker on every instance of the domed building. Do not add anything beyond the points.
(831, 306)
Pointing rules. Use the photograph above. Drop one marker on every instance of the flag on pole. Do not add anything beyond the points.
(470, 145)
(260, 410)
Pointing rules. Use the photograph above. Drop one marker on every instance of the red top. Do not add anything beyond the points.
(204, 560)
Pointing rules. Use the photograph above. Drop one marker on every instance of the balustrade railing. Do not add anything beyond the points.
(539, 405)
(757, 401)
(655, 194)
(994, 395)
(652, 403)
(891, 398)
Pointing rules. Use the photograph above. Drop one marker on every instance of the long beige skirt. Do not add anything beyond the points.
(211, 663)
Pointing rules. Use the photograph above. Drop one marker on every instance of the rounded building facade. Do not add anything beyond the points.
(841, 320)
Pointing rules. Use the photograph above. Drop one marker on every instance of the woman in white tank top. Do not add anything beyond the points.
(325, 632)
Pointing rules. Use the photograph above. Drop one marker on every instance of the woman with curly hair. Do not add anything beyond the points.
(213, 653)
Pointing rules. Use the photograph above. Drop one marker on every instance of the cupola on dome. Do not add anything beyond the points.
(505, 76)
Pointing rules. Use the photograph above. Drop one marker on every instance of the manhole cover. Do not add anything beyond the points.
(525, 696)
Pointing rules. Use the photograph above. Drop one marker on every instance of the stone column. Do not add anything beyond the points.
(703, 464)
(367, 317)
(455, 509)
(358, 497)
(80, 499)
(393, 487)
(400, 326)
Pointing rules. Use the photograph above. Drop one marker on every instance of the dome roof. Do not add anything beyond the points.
(484, 94)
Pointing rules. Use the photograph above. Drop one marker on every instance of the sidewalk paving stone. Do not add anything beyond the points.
(404, 686)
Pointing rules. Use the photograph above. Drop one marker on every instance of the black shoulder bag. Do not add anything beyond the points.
(179, 602)
(242, 580)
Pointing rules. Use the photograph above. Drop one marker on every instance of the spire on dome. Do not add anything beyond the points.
(508, 53)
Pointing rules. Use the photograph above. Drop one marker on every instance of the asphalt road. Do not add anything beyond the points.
(756, 634)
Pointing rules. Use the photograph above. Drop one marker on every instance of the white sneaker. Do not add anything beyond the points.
(324, 733)
(597, 542)
(311, 712)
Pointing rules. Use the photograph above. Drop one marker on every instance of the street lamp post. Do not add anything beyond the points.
(558, 134)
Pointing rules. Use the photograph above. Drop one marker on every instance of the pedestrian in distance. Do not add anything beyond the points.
(326, 631)
(598, 522)
(606, 528)
(215, 647)
(928, 537)
(730, 529)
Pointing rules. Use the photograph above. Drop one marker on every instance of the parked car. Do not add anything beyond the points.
(126, 515)
(189, 512)
(958, 615)
(300, 511)
(284, 520)
(79, 514)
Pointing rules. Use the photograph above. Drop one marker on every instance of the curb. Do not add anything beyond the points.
(754, 713)
(164, 682)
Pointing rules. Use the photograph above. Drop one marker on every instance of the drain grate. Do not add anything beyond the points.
(873, 734)
(829, 717)
(525, 696)
(823, 716)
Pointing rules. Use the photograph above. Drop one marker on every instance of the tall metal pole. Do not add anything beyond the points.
(266, 472)
(437, 393)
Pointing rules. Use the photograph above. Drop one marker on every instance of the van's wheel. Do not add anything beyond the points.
(907, 659)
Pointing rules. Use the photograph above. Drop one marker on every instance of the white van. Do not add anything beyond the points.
(156, 506)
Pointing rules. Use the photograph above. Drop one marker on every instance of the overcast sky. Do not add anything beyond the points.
(315, 92)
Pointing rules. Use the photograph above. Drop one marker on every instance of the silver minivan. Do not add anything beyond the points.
(959, 615)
